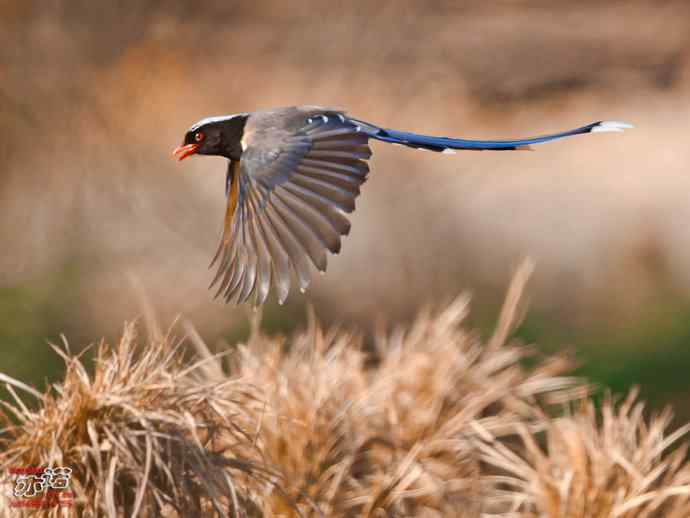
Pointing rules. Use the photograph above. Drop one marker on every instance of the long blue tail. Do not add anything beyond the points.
(441, 144)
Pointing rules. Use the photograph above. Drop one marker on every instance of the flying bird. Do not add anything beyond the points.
(293, 175)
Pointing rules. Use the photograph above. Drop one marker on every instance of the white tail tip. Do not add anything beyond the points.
(604, 126)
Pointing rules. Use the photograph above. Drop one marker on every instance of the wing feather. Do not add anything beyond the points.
(297, 254)
(335, 153)
(336, 178)
(334, 214)
(300, 172)
(305, 235)
(280, 261)
(263, 272)
(341, 199)
(314, 183)
(319, 224)
(345, 141)
(347, 166)
(234, 276)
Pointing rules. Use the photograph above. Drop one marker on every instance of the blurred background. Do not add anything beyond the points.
(97, 216)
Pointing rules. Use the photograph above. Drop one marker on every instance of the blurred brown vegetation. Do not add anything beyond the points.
(94, 96)
(435, 424)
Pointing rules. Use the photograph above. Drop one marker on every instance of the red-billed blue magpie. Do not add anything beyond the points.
(293, 174)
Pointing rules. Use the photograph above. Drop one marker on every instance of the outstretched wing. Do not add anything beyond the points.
(300, 172)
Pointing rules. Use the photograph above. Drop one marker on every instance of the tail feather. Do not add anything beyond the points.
(441, 144)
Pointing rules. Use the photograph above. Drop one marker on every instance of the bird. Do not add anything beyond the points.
(293, 175)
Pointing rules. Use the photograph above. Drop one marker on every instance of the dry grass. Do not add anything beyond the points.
(143, 432)
(607, 463)
(432, 423)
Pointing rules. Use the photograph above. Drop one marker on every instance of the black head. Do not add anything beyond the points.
(214, 136)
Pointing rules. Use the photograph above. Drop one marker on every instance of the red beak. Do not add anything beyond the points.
(182, 152)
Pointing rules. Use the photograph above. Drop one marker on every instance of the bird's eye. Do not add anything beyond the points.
(198, 136)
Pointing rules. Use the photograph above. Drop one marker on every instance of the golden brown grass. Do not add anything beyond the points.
(143, 432)
(607, 463)
(433, 422)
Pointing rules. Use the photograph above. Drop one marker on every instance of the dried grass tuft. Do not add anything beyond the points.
(607, 463)
(436, 423)
(144, 433)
